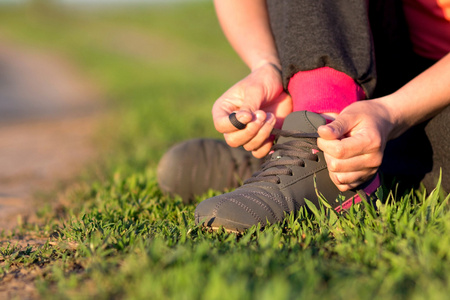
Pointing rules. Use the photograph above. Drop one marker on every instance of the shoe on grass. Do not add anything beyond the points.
(193, 167)
(283, 182)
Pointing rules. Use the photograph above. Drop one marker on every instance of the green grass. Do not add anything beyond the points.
(120, 237)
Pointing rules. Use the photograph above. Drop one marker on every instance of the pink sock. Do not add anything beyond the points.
(323, 90)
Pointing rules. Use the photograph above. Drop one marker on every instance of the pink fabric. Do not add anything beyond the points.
(323, 90)
(429, 26)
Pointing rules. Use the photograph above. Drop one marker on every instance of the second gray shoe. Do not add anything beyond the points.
(193, 167)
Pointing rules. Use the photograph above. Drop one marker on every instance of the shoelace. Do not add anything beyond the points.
(294, 153)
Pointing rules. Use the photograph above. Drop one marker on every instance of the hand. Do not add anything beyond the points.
(353, 144)
(260, 102)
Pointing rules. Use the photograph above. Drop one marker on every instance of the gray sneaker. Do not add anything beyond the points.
(193, 167)
(282, 184)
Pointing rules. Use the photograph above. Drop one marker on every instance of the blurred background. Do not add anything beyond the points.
(108, 84)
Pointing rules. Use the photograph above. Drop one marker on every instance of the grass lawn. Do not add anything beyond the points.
(161, 68)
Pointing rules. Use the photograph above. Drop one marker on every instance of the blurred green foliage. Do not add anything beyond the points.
(161, 68)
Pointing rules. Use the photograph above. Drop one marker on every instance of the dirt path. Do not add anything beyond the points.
(48, 114)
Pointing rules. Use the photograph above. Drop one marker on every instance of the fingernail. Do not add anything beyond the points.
(243, 117)
(331, 128)
(272, 118)
(260, 117)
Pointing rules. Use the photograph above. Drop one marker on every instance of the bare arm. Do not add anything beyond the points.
(420, 99)
(247, 28)
(258, 100)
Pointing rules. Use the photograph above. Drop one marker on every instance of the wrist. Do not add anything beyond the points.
(394, 116)
(272, 63)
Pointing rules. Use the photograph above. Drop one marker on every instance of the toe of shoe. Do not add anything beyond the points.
(230, 213)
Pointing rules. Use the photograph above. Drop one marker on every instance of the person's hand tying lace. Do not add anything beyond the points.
(259, 102)
(353, 144)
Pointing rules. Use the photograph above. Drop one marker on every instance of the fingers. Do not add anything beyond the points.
(259, 103)
(349, 173)
(353, 144)
(255, 133)
(262, 135)
(357, 163)
(360, 143)
(244, 98)
(338, 128)
(264, 149)
(221, 117)
(351, 180)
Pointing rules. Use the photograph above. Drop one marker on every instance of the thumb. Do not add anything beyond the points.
(336, 129)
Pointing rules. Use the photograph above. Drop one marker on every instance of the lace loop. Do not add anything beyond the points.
(284, 155)
(294, 133)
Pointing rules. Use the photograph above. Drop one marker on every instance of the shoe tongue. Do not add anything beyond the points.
(303, 121)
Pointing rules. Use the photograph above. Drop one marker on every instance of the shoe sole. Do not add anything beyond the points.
(346, 205)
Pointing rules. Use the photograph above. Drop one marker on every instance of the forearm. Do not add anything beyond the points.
(420, 99)
(247, 28)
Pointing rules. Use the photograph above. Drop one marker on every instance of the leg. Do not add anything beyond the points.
(315, 34)
(419, 154)
(438, 132)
